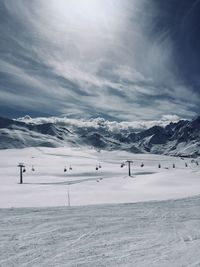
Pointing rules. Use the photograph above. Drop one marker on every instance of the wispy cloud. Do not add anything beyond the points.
(90, 57)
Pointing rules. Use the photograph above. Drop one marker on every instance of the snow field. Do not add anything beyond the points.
(48, 184)
(155, 234)
(36, 232)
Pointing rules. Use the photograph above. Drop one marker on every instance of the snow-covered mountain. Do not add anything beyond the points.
(180, 138)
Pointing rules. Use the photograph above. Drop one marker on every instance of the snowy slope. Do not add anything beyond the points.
(52, 234)
(156, 234)
(48, 184)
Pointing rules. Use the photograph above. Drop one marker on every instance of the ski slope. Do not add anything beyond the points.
(149, 219)
(48, 185)
(156, 234)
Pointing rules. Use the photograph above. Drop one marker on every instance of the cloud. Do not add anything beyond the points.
(101, 123)
(98, 58)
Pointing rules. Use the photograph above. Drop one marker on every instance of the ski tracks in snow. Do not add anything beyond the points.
(143, 234)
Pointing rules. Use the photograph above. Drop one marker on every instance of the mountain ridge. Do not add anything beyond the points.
(180, 138)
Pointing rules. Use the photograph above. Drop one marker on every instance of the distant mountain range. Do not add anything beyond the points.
(180, 138)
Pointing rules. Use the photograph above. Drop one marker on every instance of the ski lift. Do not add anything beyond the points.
(33, 169)
(122, 164)
(65, 169)
(142, 165)
(24, 170)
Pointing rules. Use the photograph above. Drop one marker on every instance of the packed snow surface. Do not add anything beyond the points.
(156, 234)
(38, 228)
(49, 185)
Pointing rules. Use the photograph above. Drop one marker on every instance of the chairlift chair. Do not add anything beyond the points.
(122, 164)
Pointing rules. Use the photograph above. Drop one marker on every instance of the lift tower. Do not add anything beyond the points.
(129, 166)
(22, 169)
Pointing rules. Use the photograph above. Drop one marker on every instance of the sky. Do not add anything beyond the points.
(121, 60)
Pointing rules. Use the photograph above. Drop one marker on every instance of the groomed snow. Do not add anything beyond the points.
(156, 234)
(48, 185)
